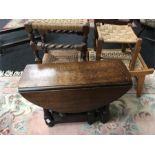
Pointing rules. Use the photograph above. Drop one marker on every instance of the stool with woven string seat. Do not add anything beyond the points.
(69, 26)
(122, 34)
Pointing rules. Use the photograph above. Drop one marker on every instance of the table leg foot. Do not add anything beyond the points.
(91, 118)
(104, 114)
(49, 120)
(101, 114)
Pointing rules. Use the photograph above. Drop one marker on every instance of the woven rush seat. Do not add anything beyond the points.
(60, 24)
(116, 33)
(116, 54)
(125, 57)
(62, 56)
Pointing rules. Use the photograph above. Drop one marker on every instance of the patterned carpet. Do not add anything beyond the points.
(129, 114)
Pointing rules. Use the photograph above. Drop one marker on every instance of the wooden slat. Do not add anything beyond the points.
(142, 72)
(135, 54)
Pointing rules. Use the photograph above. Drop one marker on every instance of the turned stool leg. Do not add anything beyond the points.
(140, 84)
(85, 39)
(28, 28)
(38, 60)
(42, 35)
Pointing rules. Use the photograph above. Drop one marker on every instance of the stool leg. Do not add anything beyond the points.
(36, 53)
(42, 34)
(135, 54)
(95, 37)
(85, 39)
(140, 84)
(28, 28)
(84, 52)
(123, 47)
(99, 49)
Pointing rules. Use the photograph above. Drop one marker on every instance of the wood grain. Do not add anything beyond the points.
(75, 87)
(75, 74)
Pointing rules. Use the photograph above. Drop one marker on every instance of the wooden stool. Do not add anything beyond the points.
(69, 26)
(76, 91)
(122, 34)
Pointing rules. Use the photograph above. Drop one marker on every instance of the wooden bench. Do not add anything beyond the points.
(79, 90)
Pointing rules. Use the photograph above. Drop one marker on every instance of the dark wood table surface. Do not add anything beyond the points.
(75, 74)
(74, 87)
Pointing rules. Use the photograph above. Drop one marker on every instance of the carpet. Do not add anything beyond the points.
(129, 115)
